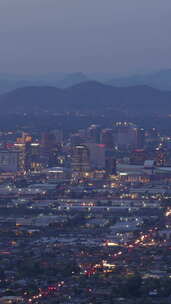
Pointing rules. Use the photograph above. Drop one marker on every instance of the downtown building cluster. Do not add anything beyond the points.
(84, 213)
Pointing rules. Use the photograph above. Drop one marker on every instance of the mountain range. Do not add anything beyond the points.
(87, 97)
(159, 80)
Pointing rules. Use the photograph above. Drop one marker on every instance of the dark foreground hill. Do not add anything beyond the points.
(87, 97)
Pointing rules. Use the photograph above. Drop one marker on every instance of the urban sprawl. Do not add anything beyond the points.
(85, 217)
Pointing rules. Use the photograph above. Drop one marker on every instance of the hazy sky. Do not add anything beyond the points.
(84, 35)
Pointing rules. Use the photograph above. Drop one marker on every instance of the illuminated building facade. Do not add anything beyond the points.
(161, 157)
(80, 161)
(10, 160)
(125, 135)
(32, 157)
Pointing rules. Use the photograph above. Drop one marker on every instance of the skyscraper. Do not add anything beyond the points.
(106, 138)
(110, 162)
(50, 142)
(93, 133)
(96, 155)
(32, 157)
(80, 160)
(10, 160)
(125, 135)
(140, 138)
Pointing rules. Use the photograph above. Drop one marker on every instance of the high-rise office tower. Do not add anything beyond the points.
(11, 161)
(93, 133)
(76, 139)
(125, 135)
(140, 138)
(57, 136)
(80, 159)
(110, 162)
(50, 144)
(96, 155)
(48, 140)
(106, 138)
(32, 157)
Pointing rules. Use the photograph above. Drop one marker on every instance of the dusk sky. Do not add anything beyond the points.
(119, 36)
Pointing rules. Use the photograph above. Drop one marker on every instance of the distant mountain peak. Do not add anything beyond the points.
(72, 79)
